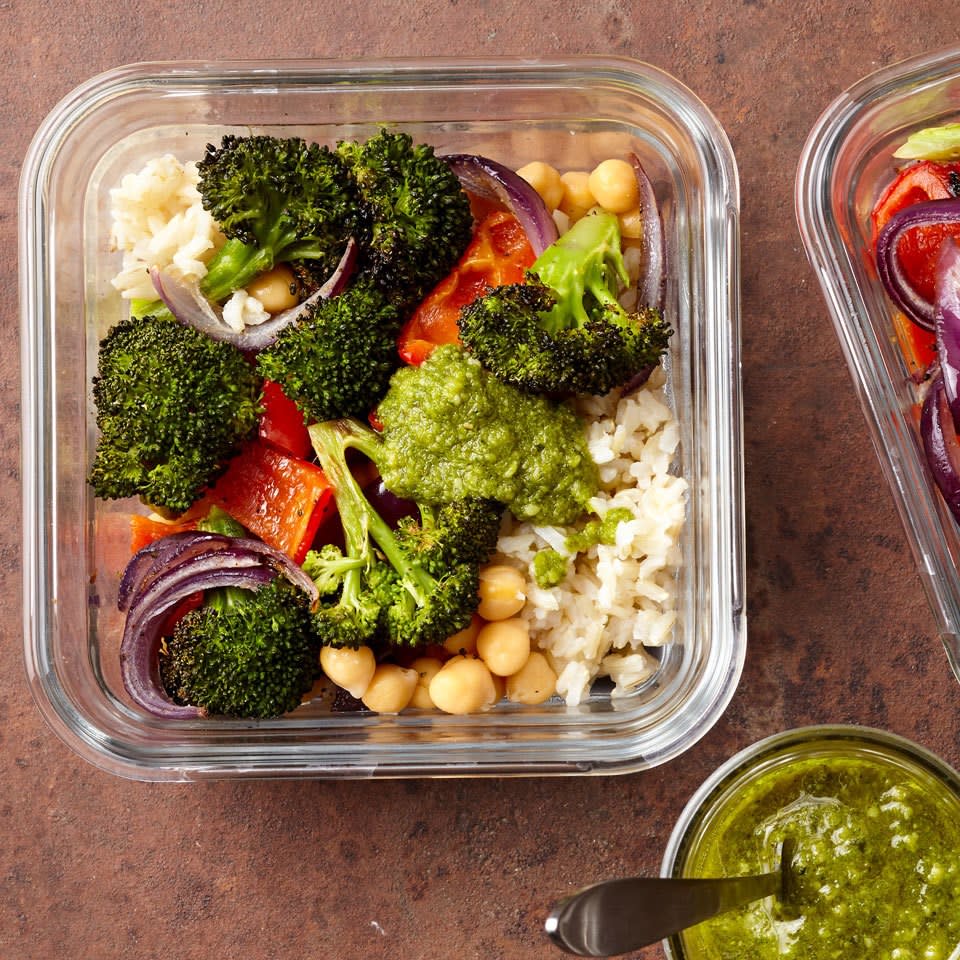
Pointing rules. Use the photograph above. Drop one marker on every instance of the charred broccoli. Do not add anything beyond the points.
(275, 200)
(563, 330)
(172, 406)
(336, 361)
(416, 215)
(244, 653)
(413, 586)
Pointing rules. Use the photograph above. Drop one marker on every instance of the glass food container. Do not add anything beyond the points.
(793, 768)
(846, 163)
(572, 113)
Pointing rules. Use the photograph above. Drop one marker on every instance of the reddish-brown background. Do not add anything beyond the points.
(98, 868)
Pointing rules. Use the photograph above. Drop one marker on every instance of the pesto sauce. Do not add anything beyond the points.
(876, 865)
(452, 430)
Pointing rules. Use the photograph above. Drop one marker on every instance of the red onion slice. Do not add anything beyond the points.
(890, 269)
(139, 666)
(155, 556)
(939, 434)
(651, 285)
(165, 573)
(493, 181)
(188, 304)
(947, 322)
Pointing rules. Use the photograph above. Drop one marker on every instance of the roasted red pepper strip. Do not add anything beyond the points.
(281, 423)
(145, 530)
(925, 180)
(498, 254)
(919, 249)
(279, 498)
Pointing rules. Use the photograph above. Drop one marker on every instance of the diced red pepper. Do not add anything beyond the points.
(918, 346)
(919, 248)
(925, 180)
(281, 423)
(279, 498)
(498, 254)
(145, 530)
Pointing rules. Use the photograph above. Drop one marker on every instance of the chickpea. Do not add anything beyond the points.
(275, 289)
(349, 668)
(535, 682)
(504, 645)
(614, 186)
(465, 640)
(631, 224)
(391, 688)
(426, 668)
(463, 685)
(502, 591)
(577, 197)
(546, 181)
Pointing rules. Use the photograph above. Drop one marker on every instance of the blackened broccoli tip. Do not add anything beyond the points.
(275, 199)
(564, 330)
(421, 579)
(244, 653)
(337, 360)
(172, 406)
(417, 217)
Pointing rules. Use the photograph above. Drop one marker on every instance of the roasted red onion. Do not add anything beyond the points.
(651, 284)
(188, 304)
(162, 575)
(947, 322)
(889, 267)
(939, 434)
(493, 181)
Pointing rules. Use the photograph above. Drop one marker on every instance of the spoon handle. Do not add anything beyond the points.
(617, 916)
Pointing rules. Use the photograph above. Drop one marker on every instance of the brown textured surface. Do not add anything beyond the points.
(97, 868)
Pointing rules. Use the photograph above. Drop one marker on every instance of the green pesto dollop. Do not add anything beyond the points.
(549, 568)
(452, 430)
(599, 530)
(876, 866)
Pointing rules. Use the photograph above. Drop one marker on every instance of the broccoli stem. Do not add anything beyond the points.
(219, 521)
(233, 266)
(331, 439)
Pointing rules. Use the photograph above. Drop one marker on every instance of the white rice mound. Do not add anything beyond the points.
(158, 220)
(616, 600)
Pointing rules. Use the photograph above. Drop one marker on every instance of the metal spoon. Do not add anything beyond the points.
(617, 916)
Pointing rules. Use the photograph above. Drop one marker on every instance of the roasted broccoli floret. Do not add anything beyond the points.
(464, 531)
(563, 330)
(275, 200)
(417, 217)
(244, 653)
(411, 587)
(328, 566)
(336, 361)
(172, 406)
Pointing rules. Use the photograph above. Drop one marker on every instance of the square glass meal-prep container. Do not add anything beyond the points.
(571, 113)
(846, 163)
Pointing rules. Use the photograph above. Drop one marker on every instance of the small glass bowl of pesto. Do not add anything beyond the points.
(875, 822)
